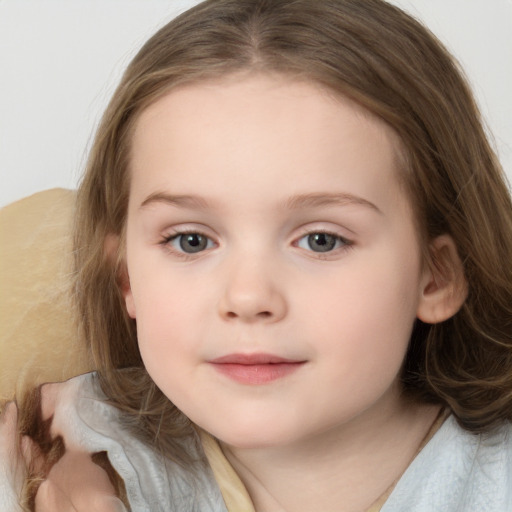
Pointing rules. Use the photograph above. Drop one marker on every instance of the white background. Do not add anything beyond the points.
(61, 59)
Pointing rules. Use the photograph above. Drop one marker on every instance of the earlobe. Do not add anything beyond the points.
(444, 286)
(112, 252)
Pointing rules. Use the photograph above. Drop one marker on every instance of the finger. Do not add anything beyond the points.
(31, 453)
(109, 504)
(8, 426)
(12, 467)
(75, 480)
(49, 398)
(52, 498)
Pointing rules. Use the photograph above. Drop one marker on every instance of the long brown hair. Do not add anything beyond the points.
(386, 61)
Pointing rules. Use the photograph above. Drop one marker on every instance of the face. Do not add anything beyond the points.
(274, 268)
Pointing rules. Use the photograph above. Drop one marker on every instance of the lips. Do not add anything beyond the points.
(255, 369)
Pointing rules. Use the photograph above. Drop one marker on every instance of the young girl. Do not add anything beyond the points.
(293, 253)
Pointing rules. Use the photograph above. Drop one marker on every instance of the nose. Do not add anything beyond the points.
(253, 293)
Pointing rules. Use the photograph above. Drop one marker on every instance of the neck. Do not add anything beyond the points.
(352, 464)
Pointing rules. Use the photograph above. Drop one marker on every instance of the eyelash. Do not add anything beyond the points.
(344, 243)
(166, 243)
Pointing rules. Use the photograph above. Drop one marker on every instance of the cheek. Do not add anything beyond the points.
(366, 315)
(164, 320)
(169, 327)
(163, 349)
(170, 336)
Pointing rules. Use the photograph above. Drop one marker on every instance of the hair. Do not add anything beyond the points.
(378, 56)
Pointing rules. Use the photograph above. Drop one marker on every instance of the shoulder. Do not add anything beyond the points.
(458, 471)
(77, 412)
(34, 436)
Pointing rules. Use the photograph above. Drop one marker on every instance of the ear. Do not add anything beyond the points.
(126, 290)
(443, 286)
(112, 248)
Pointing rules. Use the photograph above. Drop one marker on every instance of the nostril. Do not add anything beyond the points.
(261, 314)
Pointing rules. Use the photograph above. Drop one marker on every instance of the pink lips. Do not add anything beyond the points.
(255, 368)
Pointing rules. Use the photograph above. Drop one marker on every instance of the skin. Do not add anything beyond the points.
(255, 164)
(65, 489)
(73, 484)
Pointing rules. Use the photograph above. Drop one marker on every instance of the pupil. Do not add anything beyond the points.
(321, 242)
(193, 243)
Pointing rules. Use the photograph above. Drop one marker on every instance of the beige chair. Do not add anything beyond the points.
(38, 339)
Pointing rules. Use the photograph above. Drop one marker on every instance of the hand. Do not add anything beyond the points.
(13, 471)
(71, 480)
(76, 484)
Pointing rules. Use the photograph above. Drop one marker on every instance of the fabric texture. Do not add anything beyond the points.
(232, 488)
(88, 424)
(38, 341)
(456, 471)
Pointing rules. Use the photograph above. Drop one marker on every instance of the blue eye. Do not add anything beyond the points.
(190, 243)
(322, 242)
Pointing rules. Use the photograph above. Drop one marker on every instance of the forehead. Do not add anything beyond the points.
(232, 133)
(268, 91)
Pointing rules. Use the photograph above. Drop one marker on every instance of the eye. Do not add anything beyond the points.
(190, 243)
(322, 242)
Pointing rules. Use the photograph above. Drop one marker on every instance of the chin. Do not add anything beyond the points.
(252, 436)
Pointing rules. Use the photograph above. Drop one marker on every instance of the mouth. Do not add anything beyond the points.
(255, 369)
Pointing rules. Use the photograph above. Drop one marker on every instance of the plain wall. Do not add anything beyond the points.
(60, 61)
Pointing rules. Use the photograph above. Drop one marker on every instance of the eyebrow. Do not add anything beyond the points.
(302, 201)
(183, 201)
(316, 200)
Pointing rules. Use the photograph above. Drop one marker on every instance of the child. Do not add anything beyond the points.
(293, 261)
